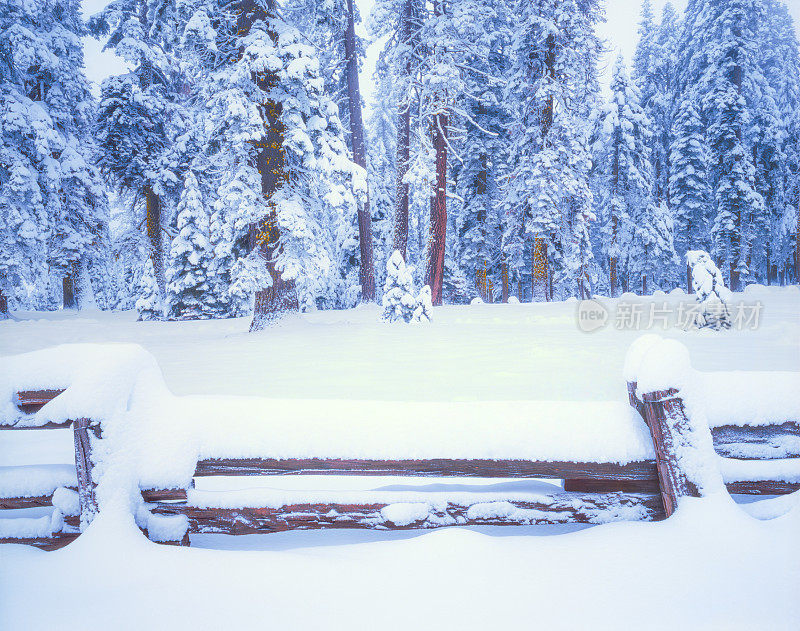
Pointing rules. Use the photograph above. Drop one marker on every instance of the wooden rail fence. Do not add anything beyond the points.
(594, 492)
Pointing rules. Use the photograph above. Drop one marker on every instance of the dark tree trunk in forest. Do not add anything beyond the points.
(434, 275)
(404, 136)
(504, 279)
(3, 305)
(689, 279)
(272, 302)
(70, 286)
(153, 220)
(612, 276)
(367, 269)
(540, 275)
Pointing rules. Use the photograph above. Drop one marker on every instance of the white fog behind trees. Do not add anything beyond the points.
(509, 151)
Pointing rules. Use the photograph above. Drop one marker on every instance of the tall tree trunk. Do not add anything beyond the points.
(153, 204)
(69, 284)
(3, 304)
(689, 279)
(272, 302)
(612, 276)
(367, 269)
(504, 277)
(539, 270)
(404, 135)
(434, 275)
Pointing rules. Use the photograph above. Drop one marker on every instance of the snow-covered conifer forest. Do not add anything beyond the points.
(442, 314)
(237, 156)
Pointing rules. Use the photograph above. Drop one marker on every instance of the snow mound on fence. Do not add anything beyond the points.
(728, 398)
(35, 480)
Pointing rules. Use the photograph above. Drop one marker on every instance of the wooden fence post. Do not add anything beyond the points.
(669, 426)
(82, 427)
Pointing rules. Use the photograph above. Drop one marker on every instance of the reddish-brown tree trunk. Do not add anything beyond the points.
(272, 302)
(153, 220)
(504, 277)
(367, 269)
(435, 273)
(689, 279)
(404, 135)
(3, 304)
(539, 271)
(612, 276)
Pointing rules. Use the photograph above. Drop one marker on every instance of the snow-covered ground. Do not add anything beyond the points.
(711, 566)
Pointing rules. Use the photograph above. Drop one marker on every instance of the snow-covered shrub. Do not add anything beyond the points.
(477, 300)
(712, 295)
(149, 303)
(399, 303)
(424, 311)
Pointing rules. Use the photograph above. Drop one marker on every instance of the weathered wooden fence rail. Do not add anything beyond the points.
(594, 492)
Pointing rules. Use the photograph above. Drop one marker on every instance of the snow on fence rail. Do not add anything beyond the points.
(698, 436)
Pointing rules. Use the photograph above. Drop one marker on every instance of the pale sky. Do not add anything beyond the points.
(620, 31)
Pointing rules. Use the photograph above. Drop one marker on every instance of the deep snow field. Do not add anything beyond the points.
(710, 566)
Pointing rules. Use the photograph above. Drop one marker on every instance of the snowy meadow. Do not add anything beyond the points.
(722, 567)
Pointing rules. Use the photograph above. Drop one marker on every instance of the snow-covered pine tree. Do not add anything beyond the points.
(53, 212)
(688, 185)
(712, 295)
(381, 148)
(189, 294)
(330, 24)
(777, 143)
(729, 84)
(624, 175)
(149, 304)
(399, 303)
(654, 71)
(400, 21)
(288, 185)
(551, 87)
(140, 113)
(481, 144)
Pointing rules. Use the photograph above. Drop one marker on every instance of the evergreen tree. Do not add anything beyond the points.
(688, 184)
(53, 213)
(287, 187)
(623, 171)
(139, 120)
(728, 84)
(149, 304)
(398, 300)
(188, 289)
(551, 88)
(382, 134)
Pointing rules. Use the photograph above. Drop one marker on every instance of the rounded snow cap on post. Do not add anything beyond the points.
(636, 353)
(663, 364)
